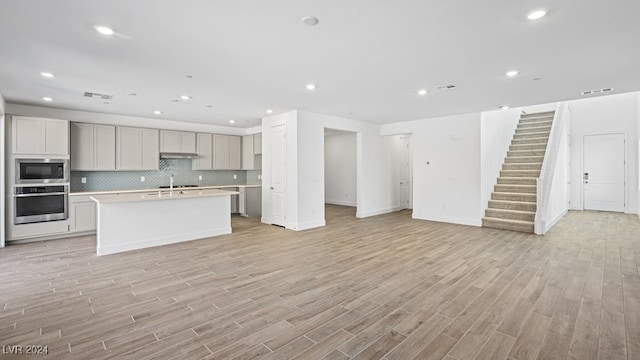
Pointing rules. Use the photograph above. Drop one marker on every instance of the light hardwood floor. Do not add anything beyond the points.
(382, 287)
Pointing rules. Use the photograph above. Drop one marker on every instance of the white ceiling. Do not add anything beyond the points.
(367, 57)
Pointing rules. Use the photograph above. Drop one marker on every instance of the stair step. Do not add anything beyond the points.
(520, 173)
(538, 146)
(528, 130)
(535, 124)
(529, 141)
(506, 224)
(510, 214)
(538, 114)
(523, 159)
(516, 188)
(518, 153)
(532, 135)
(521, 166)
(518, 180)
(509, 196)
(512, 205)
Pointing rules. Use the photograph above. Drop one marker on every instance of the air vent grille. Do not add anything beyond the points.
(597, 91)
(446, 87)
(98, 95)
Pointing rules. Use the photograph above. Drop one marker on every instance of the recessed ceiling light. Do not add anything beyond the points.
(512, 73)
(185, 97)
(104, 30)
(269, 111)
(46, 98)
(504, 107)
(310, 20)
(157, 112)
(422, 92)
(536, 14)
(232, 121)
(47, 74)
(311, 86)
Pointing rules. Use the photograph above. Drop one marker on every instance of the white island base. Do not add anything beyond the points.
(135, 221)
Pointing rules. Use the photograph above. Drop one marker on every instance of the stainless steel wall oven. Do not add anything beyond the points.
(41, 203)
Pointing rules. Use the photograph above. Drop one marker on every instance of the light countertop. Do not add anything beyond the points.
(111, 192)
(159, 195)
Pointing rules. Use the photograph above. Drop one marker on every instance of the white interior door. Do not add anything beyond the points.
(405, 173)
(604, 172)
(278, 174)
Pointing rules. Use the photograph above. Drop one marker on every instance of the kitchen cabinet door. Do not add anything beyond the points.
(205, 151)
(247, 152)
(149, 150)
(220, 152)
(257, 144)
(39, 136)
(85, 217)
(82, 146)
(235, 151)
(177, 141)
(104, 147)
(128, 148)
(56, 140)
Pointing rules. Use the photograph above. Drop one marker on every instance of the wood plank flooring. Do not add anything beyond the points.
(385, 287)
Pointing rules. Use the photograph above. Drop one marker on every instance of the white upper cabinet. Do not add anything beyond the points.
(137, 149)
(39, 136)
(226, 152)
(177, 141)
(257, 144)
(251, 160)
(93, 147)
(205, 152)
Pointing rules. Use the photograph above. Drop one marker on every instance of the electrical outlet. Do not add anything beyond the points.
(200, 177)
(142, 179)
(83, 180)
(259, 177)
(235, 176)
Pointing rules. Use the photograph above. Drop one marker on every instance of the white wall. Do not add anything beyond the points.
(340, 181)
(446, 167)
(372, 187)
(605, 115)
(638, 107)
(115, 119)
(496, 132)
(3, 197)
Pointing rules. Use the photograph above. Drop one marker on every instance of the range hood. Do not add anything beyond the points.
(170, 155)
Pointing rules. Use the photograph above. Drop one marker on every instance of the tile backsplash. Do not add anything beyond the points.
(180, 168)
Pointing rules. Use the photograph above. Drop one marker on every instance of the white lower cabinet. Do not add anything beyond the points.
(82, 214)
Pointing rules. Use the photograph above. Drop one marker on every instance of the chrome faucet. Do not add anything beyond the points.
(171, 185)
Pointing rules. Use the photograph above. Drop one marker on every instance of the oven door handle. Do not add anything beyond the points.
(40, 194)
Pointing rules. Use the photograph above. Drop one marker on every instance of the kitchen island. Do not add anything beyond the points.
(135, 221)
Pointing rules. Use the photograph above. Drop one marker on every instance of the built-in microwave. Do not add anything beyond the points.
(41, 171)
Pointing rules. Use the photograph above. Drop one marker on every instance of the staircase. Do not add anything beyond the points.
(513, 202)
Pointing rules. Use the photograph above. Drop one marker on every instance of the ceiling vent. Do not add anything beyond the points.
(98, 96)
(445, 87)
(597, 91)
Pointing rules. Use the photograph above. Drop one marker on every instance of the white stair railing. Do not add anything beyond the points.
(545, 180)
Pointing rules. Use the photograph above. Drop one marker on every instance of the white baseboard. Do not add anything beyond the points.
(112, 249)
(376, 212)
(341, 202)
(309, 225)
(554, 221)
(451, 220)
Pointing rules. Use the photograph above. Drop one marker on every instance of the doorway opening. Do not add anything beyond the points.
(340, 172)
